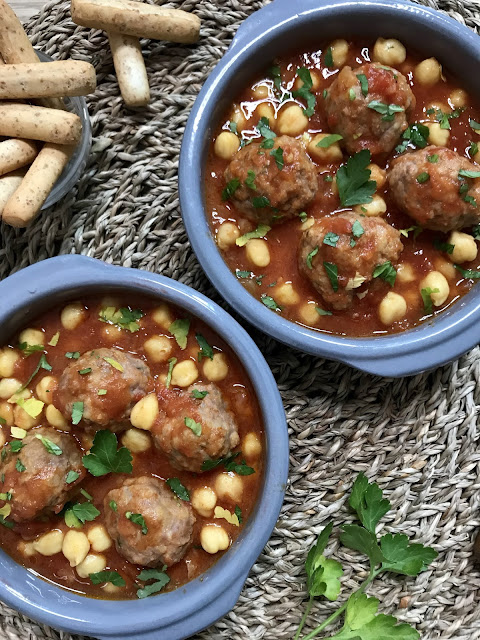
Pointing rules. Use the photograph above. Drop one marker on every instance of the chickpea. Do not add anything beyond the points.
(436, 280)
(158, 348)
(227, 233)
(229, 486)
(465, 248)
(72, 316)
(405, 272)
(75, 547)
(266, 110)
(214, 538)
(45, 389)
(162, 315)
(184, 373)
(447, 268)
(145, 412)
(226, 145)
(377, 174)
(392, 308)
(110, 301)
(26, 548)
(292, 121)
(309, 222)
(204, 500)
(32, 336)
(216, 370)
(286, 294)
(261, 91)
(110, 588)
(438, 136)
(327, 155)
(93, 563)
(251, 446)
(339, 50)
(308, 313)
(389, 51)
(8, 358)
(2, 438)
(23, 420)
(458, 98)
(257, 252)
(55, 417)
(137, 441)
(50, 543)
(99, 538)
(238, 117)
(428, 72)
(315, 81)
(377, 207)
(6, 413)
(111, 332)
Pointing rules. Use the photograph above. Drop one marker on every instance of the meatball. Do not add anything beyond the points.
(36, 476)
(218, 431)
(426, 184)
(168, 521)
(126, 379)
(375, 242)
(268, 193)
(351, 114)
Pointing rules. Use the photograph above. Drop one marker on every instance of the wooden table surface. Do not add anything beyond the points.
(26, 8)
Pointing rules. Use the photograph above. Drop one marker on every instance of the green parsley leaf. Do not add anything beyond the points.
(6, 523)
(328, 58)
(416, 134)
(125, 317)
(113, 505)
(322, 574)
(358, 538)
(476, 232)
(250, 181)
(243, 274)
(73, 355)
(55, 338)
(179, 330)
(50, 446)
(171, 363)
(357, 229)
(160, 577)
(260, 202)
(353, 180)
(19, 466)
(104, 458)
(178, 489)
(351, 94)
(443, 246)
(199, 395)
(327, 141)
(138, 519)
(6, 496)
(238, 513)
(303, 216)
(85, 511)
(332, 273)
(230, 463)
(322, 312)
(416, 231)
(86, 495)
(310, 257)
(433, 159)
(423, 177)
(463, 173)
(388, 111)
(77, 412)
(28, 349)
(475, 125)
(403, 557)
(305, 91)
(15, 445)
(71, 477)
(196, 427)
(42, 364)
(473, 149)
(468, 273)
(233, 127)
(386, 272)
(269, 302)
(362, 78)
(2, 420)
(331, 239)
(107, 576)
(114, 363)
(427, 298)
(276, 74)
(206, 350)
(71, 519)
(264, 129)
(277, 154)
(102, 392)
(260, 232)
(230, 189)
(83, 372)
(368, 501)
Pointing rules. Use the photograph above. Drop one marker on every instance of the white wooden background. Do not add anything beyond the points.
(26, 8)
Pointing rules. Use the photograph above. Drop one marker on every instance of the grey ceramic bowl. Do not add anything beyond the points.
(272, 31)
(199, 603)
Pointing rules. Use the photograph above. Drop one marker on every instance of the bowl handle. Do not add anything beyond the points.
(206, 615)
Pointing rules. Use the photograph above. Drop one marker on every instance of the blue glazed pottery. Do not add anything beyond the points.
(272, 31)
(178, 614)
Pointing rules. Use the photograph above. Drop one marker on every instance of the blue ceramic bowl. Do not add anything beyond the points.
(199, 603)
(284, 25)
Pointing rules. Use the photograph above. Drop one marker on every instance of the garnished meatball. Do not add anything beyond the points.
(273, 184)
(373, 121)
(125, 379)
(191, 430)
(150, 526)
(428, 185)
(36, 474)
(336, 268)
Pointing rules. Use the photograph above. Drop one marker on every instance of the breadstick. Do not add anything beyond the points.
(130, 69)
(39, 123)
(16, 153)
(47, 80)
(9, 183)
(29, 197)
(137, 19)
(15, 47)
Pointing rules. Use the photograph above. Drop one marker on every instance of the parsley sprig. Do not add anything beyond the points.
(392, 552)
(353, 180)
(104, 457)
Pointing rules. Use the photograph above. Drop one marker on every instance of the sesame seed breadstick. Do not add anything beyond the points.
(39, 123)
(50, 79)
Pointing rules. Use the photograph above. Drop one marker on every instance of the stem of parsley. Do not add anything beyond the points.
(302, 621)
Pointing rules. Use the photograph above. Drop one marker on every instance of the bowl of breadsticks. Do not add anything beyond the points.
(45, 132)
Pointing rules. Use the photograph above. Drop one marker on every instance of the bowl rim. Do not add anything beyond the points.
(394, 355)
(191, 607)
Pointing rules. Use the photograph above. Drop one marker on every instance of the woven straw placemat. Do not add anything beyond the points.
(417, 437)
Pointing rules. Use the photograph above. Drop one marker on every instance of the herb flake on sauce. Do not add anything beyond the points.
(195, 427)
(179, 330)
(178, 489)
(353, 180)
(260, 232)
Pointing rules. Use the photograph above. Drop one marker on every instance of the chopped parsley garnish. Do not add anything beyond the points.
(114, 363)
(171, 363)
(260, 202)
(476, 232)
(362, 78)
(230, 464)
(243, 274)
(305, 91)
(104, 458)
(250, 181)
(328, 58)
(470, 200)
(310, 257)
(475, 125)
(388, 111)
(433, 159)
(15, 446)
(327, 141)
(73, 355)
(260, 232)
(328, 178)
(444, 118)
(32, 406)
(427, 298)
(19, 466)
(416, 134)
(107, 576)
(160, 577)
(473, 149)
(206, 350)
(443, 246)
(331, 239)
(113, 505)
(2, 420)
(417, 230)
(423, 177)
(6, 523)
(264, 128)
(325, 93)
(86, 495)
(179, 330)
(303, 216)
(278, 157)
(71, 477)
(125, 318)
(276, 75)
(137, 519)
(351, 94)
(6, 496)
(230, 189)
(28, 349)
(50, 446)
(54, 341)
(42, 364)
(195, 427)
(178, 489)
(468, 273)
(233, 127)
(269, 302)
(199, 395)
(357, 229)
(332, 273)
(85, 511)
(463, 173)
(102, 392)
(322, 312)
(386, 272)
(77, 412)
(84, 372)
(353, 180)
(238, 513)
